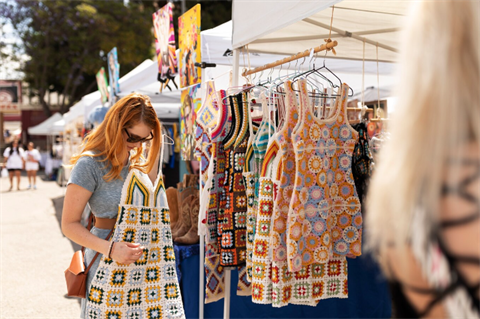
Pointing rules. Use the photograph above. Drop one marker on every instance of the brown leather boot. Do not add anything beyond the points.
(191, 237)
(172, 199)
(179, 208)
(189, 187)
(186, 221)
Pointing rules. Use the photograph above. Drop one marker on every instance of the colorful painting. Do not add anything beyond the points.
(165, 42)
(102, 84)
(189, 44)
(191, 102)
(113, 73)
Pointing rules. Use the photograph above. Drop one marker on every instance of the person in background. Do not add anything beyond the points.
(13, 161)
(32, 158)
(423, 221)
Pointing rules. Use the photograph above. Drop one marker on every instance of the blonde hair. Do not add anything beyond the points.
(107, 139)
(438, 113)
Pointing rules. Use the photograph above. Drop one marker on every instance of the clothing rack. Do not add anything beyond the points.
(328, 46)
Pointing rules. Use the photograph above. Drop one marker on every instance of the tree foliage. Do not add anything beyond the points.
(67, 42)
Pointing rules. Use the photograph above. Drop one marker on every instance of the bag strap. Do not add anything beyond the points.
(96, 255)
(91, 218)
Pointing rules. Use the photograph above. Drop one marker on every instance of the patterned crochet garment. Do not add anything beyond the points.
(249, 181)
(259, 150)
(252, 178)
(324, 216)
(149, 287)
(261, 257)
(207, 117)
(234, 223)
(215, 283)
(314, 282)
(218, 162)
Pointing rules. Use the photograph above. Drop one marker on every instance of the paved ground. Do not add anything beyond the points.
(34, 253)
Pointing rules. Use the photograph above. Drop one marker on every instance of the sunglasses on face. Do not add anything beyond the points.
(136, 139)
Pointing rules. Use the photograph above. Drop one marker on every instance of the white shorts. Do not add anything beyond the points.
(31, 166)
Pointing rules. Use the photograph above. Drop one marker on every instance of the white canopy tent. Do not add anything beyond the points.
(218, 41)
(372, 93)
(90, 101)
(293, 26)
(51, 126)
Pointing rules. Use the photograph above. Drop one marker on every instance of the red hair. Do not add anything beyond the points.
(107, 139)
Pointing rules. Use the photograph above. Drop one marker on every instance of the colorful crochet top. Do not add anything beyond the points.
(287, 170)
(214, 274)
(324, 215)
(217, 179)
(249, 182)
(233, 221)
(261, 257)
(207, 118)
(316, 281)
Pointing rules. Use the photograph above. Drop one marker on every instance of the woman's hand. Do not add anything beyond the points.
(126, 253)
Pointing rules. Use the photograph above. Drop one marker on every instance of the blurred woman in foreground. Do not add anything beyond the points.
(424, 198)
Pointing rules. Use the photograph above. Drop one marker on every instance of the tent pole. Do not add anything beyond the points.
(322, 36)
(202, 259)
(350, 34)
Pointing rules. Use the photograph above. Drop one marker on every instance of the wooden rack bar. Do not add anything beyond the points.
(297, 56)
(350, 108)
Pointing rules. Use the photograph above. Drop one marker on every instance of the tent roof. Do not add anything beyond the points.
(142, 75)
(371, 94)
(297, 25)
(47, 127)
(215, 42)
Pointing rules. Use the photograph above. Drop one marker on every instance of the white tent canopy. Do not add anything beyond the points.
(143, 77)
(215, 42)
(48, 126)
(289, 27)
(372, 93)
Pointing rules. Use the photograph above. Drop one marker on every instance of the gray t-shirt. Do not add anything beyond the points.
(88, 173)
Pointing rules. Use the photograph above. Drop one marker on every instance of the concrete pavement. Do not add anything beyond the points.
(33, 253)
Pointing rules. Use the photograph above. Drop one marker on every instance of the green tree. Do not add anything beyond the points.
(67, 42)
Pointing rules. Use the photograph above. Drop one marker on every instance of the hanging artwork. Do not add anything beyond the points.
(102, 84)
(165, 42)
(189, 44)
(191, 102)
(113, 73)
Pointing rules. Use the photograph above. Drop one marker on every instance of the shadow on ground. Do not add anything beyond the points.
(58, 205)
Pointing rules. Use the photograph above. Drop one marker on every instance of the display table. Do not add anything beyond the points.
(368, 294)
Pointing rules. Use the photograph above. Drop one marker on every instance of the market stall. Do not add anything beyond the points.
(367, 35)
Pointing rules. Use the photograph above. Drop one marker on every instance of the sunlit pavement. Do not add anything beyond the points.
(33, 253)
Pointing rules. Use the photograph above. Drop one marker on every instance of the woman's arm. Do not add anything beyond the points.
(5, 156)
(76, 199)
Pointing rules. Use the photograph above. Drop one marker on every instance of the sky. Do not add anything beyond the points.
(8, 67)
